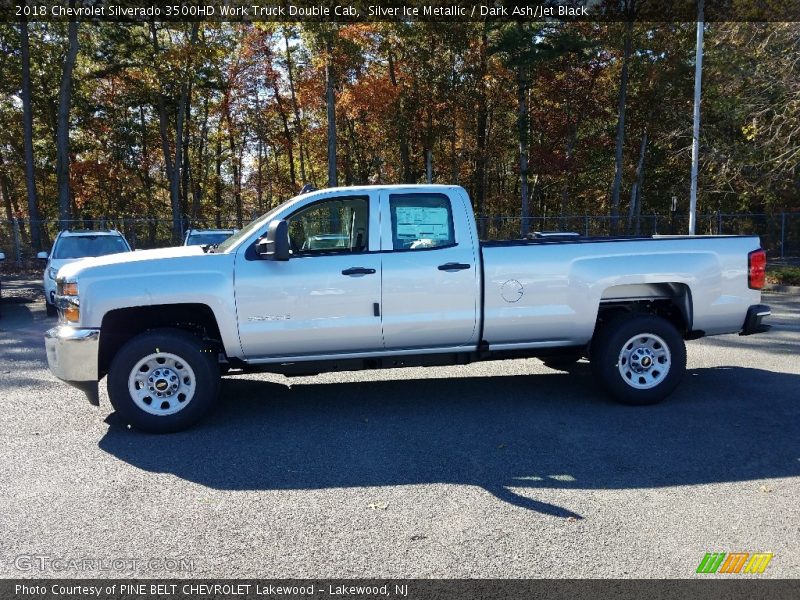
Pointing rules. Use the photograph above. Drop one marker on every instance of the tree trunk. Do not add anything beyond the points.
(175, 183)
(572, 138)
(9, 199)
(620, 141)
(406, 176)
(260, 178)
(297, 124)
(62, 144)
(522, 139)
(330, 100)
(27, 125)
(237, 173)
(218, 183)
(287, 133)
(429, 148)
(144, 174)
(163, 128)
(197, 186)
(186, 172)
(636, 191)
(480, 135)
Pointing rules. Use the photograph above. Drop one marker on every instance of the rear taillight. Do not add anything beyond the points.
(756, 269)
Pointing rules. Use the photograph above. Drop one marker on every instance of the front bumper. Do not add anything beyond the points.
(752, 322)
(72, 355)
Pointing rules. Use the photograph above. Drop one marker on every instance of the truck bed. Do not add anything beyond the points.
(547, 292)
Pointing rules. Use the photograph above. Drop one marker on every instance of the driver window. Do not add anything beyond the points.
(338, 225)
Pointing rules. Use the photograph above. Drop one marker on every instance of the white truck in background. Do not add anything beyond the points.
(391, 276)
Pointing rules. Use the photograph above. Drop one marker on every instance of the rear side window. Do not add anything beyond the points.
(421, 221)
(82, 246)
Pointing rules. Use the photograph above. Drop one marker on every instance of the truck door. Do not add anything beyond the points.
(430, 292)
(325, 298)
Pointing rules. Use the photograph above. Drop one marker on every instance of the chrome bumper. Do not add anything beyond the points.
(72, 355)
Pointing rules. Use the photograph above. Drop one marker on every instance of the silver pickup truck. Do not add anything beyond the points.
(391, 276)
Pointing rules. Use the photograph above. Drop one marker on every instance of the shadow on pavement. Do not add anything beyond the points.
(508, 434)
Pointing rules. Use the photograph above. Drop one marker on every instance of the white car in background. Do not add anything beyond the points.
(70, 246)
(207, 237)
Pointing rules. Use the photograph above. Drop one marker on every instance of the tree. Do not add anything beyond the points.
(62, 144)
(173, 165)
(330, 103)
(523, 45)
(27, 125)
(621, 101)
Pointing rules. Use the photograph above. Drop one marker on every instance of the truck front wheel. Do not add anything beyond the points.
(163, 380)
(639, 359)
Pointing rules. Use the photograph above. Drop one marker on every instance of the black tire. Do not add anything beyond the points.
(51, 310)
(165, 344)
(644, 363)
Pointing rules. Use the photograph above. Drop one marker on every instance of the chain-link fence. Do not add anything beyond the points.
(779, 232)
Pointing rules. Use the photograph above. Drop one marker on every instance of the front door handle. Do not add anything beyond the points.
(454, 267)
(358, 271)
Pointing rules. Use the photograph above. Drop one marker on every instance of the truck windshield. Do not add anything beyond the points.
(248, 229)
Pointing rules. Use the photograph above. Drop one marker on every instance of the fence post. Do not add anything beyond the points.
(17, 246)
(586, 225)
(783, 232)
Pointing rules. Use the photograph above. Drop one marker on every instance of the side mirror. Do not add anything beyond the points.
(275, 245)
(42, 256)
(2, 256)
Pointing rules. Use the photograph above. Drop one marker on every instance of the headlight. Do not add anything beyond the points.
(52, 272)
(67, 288)
(69, 305)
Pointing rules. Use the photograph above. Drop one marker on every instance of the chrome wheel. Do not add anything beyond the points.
(644, 361)
(162, 384)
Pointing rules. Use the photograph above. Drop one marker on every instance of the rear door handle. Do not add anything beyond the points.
(454, 267)
(358, 271)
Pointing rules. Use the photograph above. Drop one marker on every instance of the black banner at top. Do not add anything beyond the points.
(394, 10)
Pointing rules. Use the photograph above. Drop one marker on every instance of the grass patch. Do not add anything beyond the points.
(781, 275)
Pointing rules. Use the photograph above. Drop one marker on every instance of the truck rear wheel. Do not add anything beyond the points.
(164, 380)
(639, 359)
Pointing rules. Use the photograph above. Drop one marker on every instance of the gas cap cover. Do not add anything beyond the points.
(512, 290)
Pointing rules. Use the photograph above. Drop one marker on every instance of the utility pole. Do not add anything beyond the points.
(698, 81)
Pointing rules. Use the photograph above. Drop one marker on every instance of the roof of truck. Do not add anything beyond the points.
(384, 186)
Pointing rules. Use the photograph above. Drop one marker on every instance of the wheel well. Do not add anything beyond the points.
(123, 324)
(672, 301)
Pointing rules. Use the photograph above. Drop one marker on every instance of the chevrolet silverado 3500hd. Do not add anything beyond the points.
(391, 276)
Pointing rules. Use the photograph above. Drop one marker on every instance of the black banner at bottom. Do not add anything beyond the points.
(710, 588)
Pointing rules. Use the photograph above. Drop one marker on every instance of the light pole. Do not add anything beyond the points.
(698, 81)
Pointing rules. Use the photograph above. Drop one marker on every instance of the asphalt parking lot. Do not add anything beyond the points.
(505, 469)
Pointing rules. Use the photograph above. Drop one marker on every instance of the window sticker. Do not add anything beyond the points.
(417, 222)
